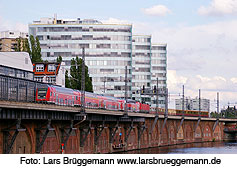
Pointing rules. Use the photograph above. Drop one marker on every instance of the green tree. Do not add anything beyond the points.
(18, 46)
(74, 81)
(22, 45)
(67, 80)
(26, 46)
(59, 59)
(35, 50)
(215, 115)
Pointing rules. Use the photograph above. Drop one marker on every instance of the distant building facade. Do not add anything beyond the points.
(149, 62)
(193, 104)
(8, 40)
(108, 49)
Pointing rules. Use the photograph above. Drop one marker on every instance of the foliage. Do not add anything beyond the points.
(18, 46)
(35, 52)
(215, 115)
(74, 81)
(33, 49)
(229, 112)
(22, 45)
(59, 59)
(67, 80)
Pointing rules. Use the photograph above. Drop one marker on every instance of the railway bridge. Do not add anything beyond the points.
(30, 127)
(42, 128)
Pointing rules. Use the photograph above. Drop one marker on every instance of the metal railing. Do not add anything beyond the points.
(18, 89)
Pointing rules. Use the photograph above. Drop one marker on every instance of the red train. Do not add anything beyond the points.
(66, 96)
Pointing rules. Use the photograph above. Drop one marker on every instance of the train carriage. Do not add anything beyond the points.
(109, 103)
(143, 108)
(58, 95)
(91, 100)
(192, 113)
(132, 106)
(65, 96)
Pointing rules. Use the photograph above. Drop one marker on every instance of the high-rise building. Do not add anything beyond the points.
(109, 48)
(193, 104)
(8, 40)
(141, 66)
(159, 71)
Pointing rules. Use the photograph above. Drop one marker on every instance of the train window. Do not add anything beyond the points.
(54, 94)
(50, 93)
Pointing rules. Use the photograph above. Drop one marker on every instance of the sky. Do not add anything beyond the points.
(201, 36)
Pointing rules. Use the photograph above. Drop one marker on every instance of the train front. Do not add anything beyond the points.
(42, 94)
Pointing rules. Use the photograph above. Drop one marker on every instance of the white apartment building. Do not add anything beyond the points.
(193, 104)
(159, 70)
(141, 66)
(109, 48)
(13, 34)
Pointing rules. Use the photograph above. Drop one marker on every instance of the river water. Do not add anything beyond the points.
(194, 148)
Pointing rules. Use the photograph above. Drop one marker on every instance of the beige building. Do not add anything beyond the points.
(7, 44)
(8, 40)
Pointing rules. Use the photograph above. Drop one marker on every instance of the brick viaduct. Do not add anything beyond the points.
(36, 128)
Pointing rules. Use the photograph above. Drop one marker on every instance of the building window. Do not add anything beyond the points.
(51, 79)
(40, 68)
(39, 79)
(51, 68)
(26, 60)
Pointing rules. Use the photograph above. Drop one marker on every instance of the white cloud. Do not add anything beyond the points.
(219, 8)
(175, 81)
(209, 50)
(200, 57)
(209, 87)
(115, 21)
(157, 10)
(234, 80)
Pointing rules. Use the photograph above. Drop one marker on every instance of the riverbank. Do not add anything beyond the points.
(191, 148)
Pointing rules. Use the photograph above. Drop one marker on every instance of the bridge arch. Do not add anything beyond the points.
(164, 136)
(172, 133)
(132, 139)
(188, 135)
(52, 143)
(217, 133)
(145, 138)
(198, 134)
(88, 144)
(180, 134)
(103, 142)
(24, 142)
(155, 134)
(207, 133)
